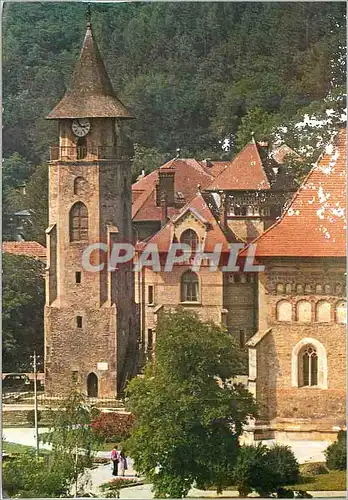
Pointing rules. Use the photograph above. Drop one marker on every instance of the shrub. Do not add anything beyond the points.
(313, 469)
(31, 416)
(336, 453)
(28, 478)
(264, 469)
(112, 488)
(113, 426)
(282, 461)
(251, 471)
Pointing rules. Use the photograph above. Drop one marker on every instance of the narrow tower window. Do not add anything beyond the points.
(242, 339)
(150, 294)
(79, 321)
(78, 222)
(78, 277)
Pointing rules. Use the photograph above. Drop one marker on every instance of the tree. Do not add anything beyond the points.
(15, 173)
(145, 159)
(190, 72)
(36, 201)
(189, 412)
(23, 309)
(72, 439)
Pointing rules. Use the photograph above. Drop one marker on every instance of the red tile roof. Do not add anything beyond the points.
(29, 248)
(201, 210)
(244, 172)
(188, 174)
(314, 225)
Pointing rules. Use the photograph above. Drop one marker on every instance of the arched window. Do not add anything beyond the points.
(79, 184)
(78, 222)
(323, 311)
(309, 364)
(280, 288)
(327, 289)
(288, 288)
(341, 312)
(339, 289)
(319, 288)
(190, 238)
(92, 385)
(308, 288)
(284, 310)
(304, 311)
(81, 148)
(189, 287)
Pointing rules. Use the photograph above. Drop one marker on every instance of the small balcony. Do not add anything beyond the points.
(73, 153)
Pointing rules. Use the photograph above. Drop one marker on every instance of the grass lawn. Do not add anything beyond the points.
(334, 480)
(15, 448)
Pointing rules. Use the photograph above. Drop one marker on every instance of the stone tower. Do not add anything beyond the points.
(90, 326)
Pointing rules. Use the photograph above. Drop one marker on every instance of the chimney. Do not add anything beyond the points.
(164, 209)
(207, 162)
(166, 178)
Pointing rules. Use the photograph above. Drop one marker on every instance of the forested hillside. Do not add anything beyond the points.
(193, 74)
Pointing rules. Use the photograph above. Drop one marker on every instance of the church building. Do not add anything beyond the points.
(297, 358)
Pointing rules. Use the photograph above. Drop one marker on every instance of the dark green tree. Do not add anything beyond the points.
(36, 201)
(23, 309)
(188, 411)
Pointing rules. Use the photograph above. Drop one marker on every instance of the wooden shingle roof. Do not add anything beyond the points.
(91, 93)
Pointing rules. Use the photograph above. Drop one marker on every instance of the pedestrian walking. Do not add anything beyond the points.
(115, 458)
(123, 465)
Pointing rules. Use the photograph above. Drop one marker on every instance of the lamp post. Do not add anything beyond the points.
(35, 362)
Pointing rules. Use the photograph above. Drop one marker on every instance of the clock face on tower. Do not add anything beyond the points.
(81, 126)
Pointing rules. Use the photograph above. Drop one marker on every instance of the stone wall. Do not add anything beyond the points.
(282, 399)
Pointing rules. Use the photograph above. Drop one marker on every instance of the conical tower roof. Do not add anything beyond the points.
(91, 93)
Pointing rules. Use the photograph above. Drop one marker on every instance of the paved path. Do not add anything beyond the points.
(103, 473)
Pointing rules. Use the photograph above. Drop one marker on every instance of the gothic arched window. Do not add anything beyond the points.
(189, 287)
(284, 310)
(280, 288)
(190, 238)
(308, 366)
(78, 222)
